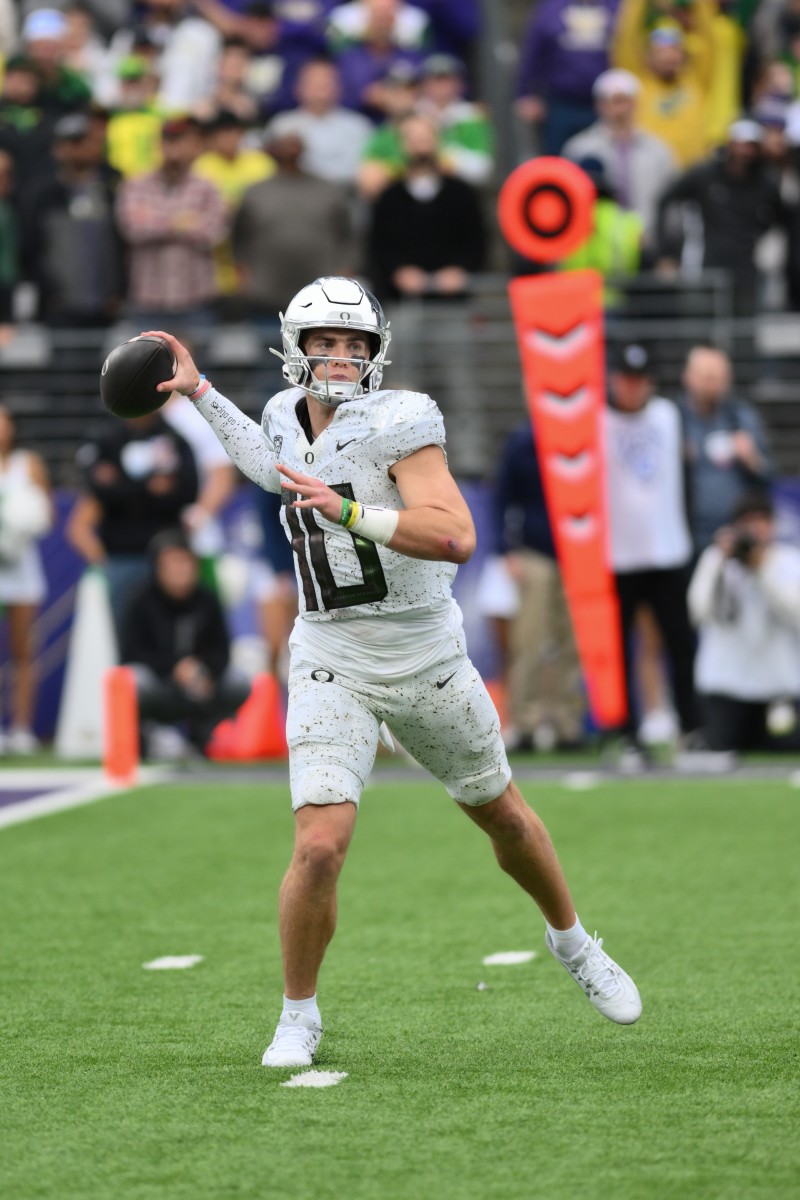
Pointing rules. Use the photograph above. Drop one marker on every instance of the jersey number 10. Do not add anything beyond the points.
(373, 588)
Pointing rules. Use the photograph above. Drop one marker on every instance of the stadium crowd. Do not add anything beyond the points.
(180, 163)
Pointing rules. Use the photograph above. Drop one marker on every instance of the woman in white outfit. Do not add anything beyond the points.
(25, 515)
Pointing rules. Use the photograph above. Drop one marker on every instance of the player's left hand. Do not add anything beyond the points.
(315, 493)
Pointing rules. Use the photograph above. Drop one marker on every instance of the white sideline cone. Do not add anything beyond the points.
(92, 650)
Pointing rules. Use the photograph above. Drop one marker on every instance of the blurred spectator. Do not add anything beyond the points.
(25, 516)
(231, 91)
(134, 127)
(280, 36)
(674, 67)
(434, 90)
(777, 254)
(455, 24)
(272, 70)
(185, 46)
(383, 160)
(365, 67)
(521, 588)
(140, 476)
(172, 220)
(8, 27)
(289, 229)
(638, 165)
(44, 33)
(738, 201)
(354, 23)
(72, 246)
(333, 137)
(217, 477)
(84, 50)
(10, 246)
(175, 639)
(465, 131)
(651, 547)
(724, 443)
(232, 167)
(745, 599)
(614, 246)
(565, 49)
(427, 234)
(25, 130)
(729, 38)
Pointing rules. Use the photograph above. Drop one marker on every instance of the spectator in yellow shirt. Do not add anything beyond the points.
(233, 168)
(133, 134)
(674, 65)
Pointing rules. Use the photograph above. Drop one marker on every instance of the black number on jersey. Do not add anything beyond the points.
(374, 587)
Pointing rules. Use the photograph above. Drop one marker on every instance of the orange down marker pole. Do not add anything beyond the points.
(545, 212)
(120, 726)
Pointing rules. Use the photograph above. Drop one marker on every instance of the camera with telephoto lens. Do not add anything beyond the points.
(743, 546)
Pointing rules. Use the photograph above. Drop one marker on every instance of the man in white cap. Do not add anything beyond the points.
(638, 165)
(44, 39)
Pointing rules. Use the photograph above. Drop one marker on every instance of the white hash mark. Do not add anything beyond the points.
(316, 1079)
(509, 958)
(173, 962)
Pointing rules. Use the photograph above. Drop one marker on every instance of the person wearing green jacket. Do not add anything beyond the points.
(614, 247)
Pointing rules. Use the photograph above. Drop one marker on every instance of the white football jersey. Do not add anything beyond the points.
(340, 575)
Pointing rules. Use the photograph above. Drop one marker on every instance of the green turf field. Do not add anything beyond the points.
(124, 1084)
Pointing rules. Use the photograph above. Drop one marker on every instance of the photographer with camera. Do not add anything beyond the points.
(744, 598)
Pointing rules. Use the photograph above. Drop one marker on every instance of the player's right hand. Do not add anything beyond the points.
(187, 377)
(315, 493)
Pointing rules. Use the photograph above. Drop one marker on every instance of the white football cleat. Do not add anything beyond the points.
(609, 989)
(295, 1042)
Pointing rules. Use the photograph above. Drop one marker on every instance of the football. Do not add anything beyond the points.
(131, 374)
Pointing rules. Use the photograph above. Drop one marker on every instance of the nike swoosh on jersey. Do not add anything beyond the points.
(341, 445)
(441, 682)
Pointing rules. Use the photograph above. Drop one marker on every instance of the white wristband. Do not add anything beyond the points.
(376, 524)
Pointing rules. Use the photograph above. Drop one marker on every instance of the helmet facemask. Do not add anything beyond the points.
(334, 391)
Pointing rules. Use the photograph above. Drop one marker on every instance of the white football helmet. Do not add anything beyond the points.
(333, 302)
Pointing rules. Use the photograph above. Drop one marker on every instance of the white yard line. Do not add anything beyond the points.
(65, 789)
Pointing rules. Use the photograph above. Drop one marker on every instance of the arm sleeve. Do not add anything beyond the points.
(244, 441)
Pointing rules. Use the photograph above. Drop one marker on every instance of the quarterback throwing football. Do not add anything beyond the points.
(378, 527)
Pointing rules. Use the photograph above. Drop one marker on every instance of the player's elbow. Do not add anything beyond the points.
(459, 546)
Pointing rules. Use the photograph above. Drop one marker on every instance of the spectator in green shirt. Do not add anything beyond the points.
(44, 39)
(436, 91)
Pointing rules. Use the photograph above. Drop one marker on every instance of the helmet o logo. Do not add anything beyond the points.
(345, 316)
(322, 676)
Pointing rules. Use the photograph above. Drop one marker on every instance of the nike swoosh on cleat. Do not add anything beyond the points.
(441, 682)
(341, 445)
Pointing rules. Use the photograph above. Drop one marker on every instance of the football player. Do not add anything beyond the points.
(378, 528)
